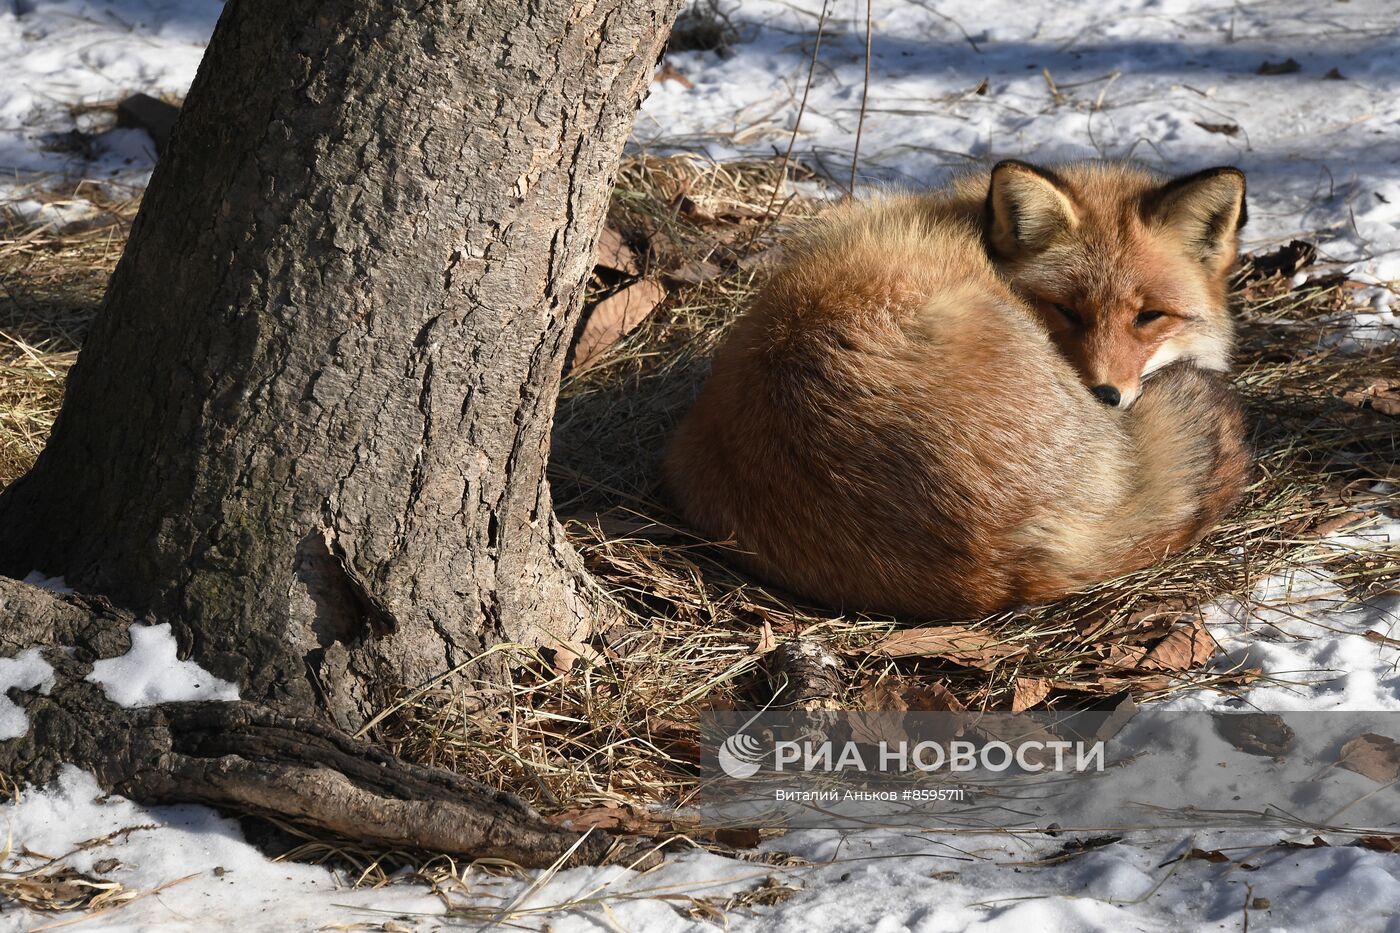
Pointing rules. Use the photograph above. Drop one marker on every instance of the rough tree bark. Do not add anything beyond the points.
(310, 423)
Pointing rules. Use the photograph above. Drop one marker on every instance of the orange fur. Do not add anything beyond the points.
(899, 424)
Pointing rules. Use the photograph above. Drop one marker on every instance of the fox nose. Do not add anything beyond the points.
(1107, 394)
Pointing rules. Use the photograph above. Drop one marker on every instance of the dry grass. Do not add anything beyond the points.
(51, 281)
(610, 727)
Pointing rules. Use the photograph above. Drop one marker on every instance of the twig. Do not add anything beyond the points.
(797, 124)
(864, 96)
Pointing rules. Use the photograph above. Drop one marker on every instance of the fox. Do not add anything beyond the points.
(945, 404)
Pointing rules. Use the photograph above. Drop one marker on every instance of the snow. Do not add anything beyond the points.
(150, 673)
(212, 879)
(1302, 628)
(52, 584)
(1136, 78)
(25, 671)
(1131, 78)
(62, 55)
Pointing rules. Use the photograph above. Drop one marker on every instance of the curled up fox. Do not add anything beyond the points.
(945, 404)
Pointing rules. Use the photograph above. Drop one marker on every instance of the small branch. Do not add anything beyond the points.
(864, 96)
(801, 109)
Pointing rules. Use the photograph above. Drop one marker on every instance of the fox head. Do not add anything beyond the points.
(1128, 269)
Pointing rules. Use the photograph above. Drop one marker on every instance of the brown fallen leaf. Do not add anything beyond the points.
(1262, 734)
(668, 72)
(884, 702)
(738, 837)
(880, 717)
(934, 698)
(1285, 261)
(1125, 657)
(1286, 67)
(1186, 647)
(1380, 639)
(1374, 756)
(1382, 396)
(614, 318)
(567, 654)
(1224, 129)
(1338, 522)
(680, 740)
(1027, 692)
(1138, 684)
(955, 643)
(1027, 734)
(894, 693)
(1215, 856)
(767, 641)
(1379, 843)
(694, 272)
(615, 254)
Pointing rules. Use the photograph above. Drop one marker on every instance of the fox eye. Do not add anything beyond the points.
(1147, 317)
(1069, 314)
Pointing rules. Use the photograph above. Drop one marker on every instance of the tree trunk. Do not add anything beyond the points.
(309, 425)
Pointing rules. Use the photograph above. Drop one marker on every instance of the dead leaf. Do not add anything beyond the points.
(955, 643)
(567, 654)
(1262, 734)
(1027, 692)
(1374, 756)
(668, 72)
(884, 702)
(1382, 396)
(694, 272)
(1285, 261)
(1214, 856)
(1334, 75)
(933, 697)
(738, 837)
(1186, 647)
(1337, 523)
(1380, 639)
(1379, 843)
(1027, 734)
(1224, 129)
(1286, 67)
(1139, 684)
(1125, 657)
(615, 254)
(614, 318)
(680, 740)
(880, 716)
(766, 639)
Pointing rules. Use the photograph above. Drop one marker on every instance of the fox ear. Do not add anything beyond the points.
(1207, 209)
(1027, 207)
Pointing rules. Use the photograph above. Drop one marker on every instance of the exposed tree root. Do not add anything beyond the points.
(251, 758)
